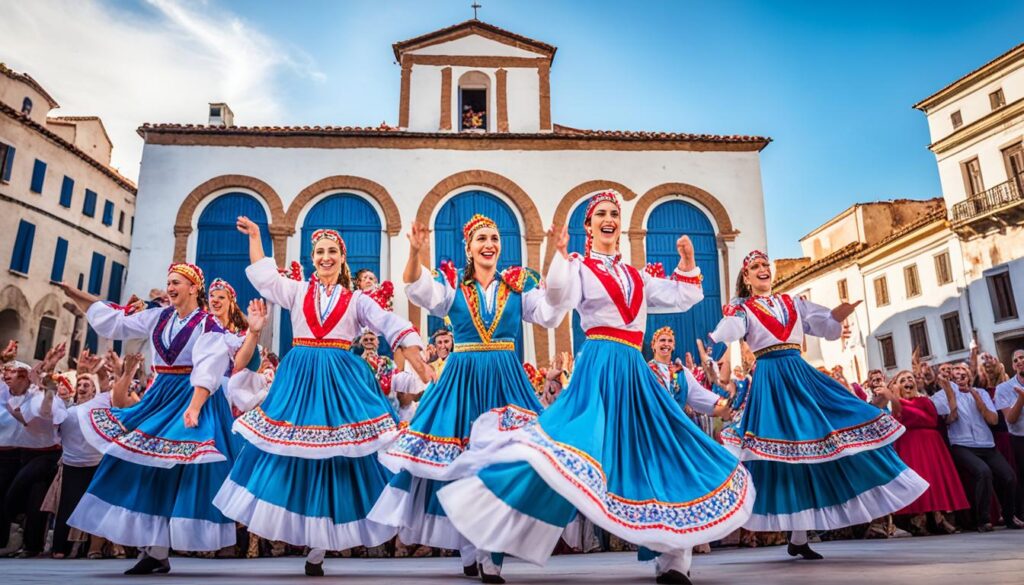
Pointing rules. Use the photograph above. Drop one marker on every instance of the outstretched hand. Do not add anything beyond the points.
(247, 227)
(257, 315)
(687, 259)
(419, 236)
(558, 237)
(10, 352)
(844, 310)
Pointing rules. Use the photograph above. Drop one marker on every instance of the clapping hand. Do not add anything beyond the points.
(558, 239)
(10, 352)
(257, 315)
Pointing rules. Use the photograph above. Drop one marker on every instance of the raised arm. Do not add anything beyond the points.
(1010, 399)
(250, 229)
(121, 395)
(257, 318)
(945, 401)
(821, 321)
(547, 305)
(110, 322)
(419, 238)
(985, 407)
(703, 400)
(680, 290)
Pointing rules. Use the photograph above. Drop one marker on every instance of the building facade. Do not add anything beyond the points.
(65, 215)
(977, 133)
(474, 134)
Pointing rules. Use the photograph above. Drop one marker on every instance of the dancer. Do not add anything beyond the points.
(820, 457)
(309, 475)
(614, 446)
(487, 310)
(165, 456)
(242, 338)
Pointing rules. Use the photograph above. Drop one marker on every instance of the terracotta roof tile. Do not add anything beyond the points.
(26, 78)
(654, 135)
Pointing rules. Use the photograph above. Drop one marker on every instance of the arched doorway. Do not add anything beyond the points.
(10, 326)
(359, 224)
(222, 252)
(665, 224)
(448, 244)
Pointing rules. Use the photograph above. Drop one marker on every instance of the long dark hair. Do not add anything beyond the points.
(743, 289)
(201, 298)
(236, 318)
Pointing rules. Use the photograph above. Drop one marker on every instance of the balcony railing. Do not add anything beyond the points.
(989, 206)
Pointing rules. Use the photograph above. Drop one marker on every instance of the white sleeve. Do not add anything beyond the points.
(210, 360)
(729, 329)
(940, 402)
(113, 323)
(563, 284)
(426, 292)
(32, 408)
(665, 295)
(986, 398)
(398, 331)
(818, 320)
(271, 284)
(247, 389)
(698, 397)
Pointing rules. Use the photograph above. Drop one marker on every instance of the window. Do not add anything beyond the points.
(951, 330)
(844, 291)
(67, 189)
(45, 340)
(919, 338)
(473, 114)
(81, 281)
(912, 281)
(22, 255)
(214, 111)
(120, 222)
(972, 177)
(1000, 292)
(26, 108)
(60, 256)
(888, 351)
(38, 176)
(116, 277)
(131, 230)
(96, 273)
(957, 119)
(108, 213)
(6, 162)
(943, 271)
(89, 206)
(996, 99)
(881, 292)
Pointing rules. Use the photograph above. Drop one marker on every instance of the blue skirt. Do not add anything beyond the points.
(616, 447)
(820, 457)
(428, 453)
(310, 474)
(136, 504)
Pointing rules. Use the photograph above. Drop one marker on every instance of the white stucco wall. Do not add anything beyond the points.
(474, 45)
(974, 102)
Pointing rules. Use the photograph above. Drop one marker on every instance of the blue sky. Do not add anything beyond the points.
(831, 83)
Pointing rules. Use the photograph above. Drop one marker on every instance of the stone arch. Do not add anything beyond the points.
(278, 227)
(532, 224)
(392, 218)
(17, 323)
(48, 305)
(637, 231)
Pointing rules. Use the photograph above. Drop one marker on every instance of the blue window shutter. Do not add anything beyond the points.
(5, 173)
(67, 189)
(89, 206)
(108, 213)
(116, 276)
(38, 176)
(22, 255)
(96, 273)
(81, 281)
(92, 340)
(60, 256)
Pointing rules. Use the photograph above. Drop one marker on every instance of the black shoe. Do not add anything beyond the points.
(673, 578)
(484, 577)
(1014, 526)
(314, 569)
(803, 550)
(147, 565)
(987, 527)
(471, 570)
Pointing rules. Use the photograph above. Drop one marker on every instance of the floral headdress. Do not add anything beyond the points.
(666, 330)
(756, 254)
(329, 235)
(476, 222)
(193, 273)
(613, 197)
(221, 284)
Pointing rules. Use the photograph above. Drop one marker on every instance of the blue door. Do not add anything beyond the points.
(666, 223)
(221, 251)
(577, 243)
(448, 244)
(359, 225)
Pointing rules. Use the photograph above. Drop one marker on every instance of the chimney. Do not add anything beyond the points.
(221, 115)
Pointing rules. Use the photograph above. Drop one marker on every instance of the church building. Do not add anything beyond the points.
(474, 134)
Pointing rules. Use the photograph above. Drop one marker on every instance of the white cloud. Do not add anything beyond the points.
(160, 64)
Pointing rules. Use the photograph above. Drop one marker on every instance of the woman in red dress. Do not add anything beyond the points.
(921, 447)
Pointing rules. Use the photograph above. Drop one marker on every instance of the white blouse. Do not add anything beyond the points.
(39, 431)
(361, 312)
(78, 451)
(698, 397)
(774, 320)
(437, 297)
(205, 351)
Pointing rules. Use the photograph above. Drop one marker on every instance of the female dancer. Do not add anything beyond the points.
(486, 310)
(242, 338)
(309, 476)
(819, 456)
(165, 456)
(615, 445)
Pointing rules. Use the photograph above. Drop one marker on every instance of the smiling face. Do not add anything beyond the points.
(905, 384)
(758, 276)
(605, 227)
(962, 375)
(181, 291)
(664, 345)
(444, 344)
(366, 281)
(484, 248)
(876, 379)
(84, 390)
(369, 341)
(220, 305)
(946, 370)
(327, 260)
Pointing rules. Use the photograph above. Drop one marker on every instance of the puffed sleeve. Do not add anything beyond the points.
(564, 283)
(278, 289)
(733, 325)
(247, 389)
(675, 293)
(210, 360)
(818, 320)
(113, 323)
(698, 397)
(432, 293)
(547, 309)
(398, 331)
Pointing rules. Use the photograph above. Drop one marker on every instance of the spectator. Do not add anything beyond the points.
(365, 280)
(969, 412)
(1010, 400)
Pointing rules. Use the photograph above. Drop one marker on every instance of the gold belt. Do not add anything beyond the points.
(779, 347)
(485, 346)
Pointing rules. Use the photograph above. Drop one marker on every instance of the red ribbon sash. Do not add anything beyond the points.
(618, 296)
(320, 330)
